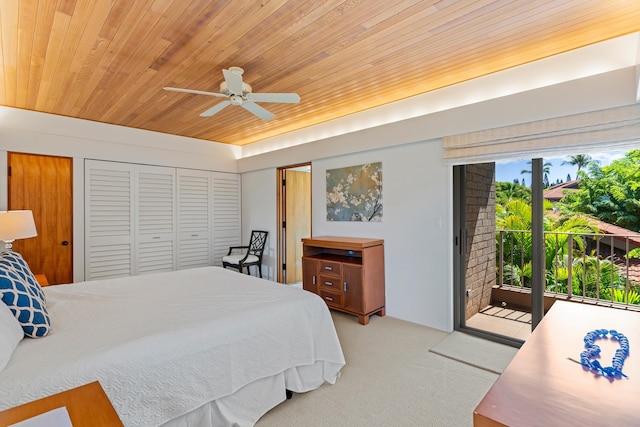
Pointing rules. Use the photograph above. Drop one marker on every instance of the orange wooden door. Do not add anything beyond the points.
(43, 184)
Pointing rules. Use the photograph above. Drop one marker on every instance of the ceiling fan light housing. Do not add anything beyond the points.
(224, 89)
(236, 100)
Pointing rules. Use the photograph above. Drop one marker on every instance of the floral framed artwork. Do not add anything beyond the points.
(354, 193)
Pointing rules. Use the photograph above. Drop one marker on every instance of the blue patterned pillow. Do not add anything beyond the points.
(15, 260)
(20, 291)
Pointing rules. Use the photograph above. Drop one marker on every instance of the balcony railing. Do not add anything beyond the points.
(585, 266)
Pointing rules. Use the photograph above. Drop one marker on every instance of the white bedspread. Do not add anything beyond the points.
(164, 344)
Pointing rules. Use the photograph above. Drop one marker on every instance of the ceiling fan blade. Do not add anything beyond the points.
(234, 82)
(197, 92)
(258, 110)
(290, 98)
(211, 111)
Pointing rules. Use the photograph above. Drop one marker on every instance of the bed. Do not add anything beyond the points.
(205, 346)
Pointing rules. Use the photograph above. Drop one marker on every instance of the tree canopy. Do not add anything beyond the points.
(610, 193)
(506, 191)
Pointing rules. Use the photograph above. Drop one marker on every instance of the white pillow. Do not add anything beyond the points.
(11, 334)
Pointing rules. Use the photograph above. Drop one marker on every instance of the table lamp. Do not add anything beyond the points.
(16, 225)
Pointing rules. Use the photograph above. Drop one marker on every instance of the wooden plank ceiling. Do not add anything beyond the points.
(107, 61)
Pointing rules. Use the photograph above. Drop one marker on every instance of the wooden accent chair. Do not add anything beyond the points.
(248, 255)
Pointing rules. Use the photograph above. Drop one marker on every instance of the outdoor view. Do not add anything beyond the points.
(591, 225)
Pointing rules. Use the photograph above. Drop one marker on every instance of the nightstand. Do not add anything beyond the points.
(88, 405)
(42, 279)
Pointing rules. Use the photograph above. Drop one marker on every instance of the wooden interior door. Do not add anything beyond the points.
(43, 184)
(298, 220)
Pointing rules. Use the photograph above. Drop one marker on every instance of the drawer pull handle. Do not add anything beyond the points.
(329, 268)
(328, 283)
(314, 280)
(329, 299)
(345, 286)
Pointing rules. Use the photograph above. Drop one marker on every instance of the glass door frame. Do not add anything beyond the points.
(460, 248)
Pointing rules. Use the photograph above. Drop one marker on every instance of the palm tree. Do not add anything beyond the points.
(516, 215)
(546, 168)
(506, 191)
(593, 276)
(580, 160)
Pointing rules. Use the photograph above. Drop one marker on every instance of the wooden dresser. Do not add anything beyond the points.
(347, 272)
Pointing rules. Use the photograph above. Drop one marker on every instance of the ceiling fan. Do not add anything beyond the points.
(239, 93)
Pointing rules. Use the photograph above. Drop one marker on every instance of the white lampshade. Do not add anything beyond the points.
(16, 225)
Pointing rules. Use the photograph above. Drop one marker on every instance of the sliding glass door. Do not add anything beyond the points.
(499, 282)
(530, 231)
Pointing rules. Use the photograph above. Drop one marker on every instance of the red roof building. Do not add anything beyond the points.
(558, 191)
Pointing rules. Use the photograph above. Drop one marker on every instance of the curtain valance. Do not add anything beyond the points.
(575, 133)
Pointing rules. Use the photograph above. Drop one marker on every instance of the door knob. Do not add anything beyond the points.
(65, 243)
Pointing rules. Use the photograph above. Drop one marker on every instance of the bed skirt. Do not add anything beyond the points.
(248, 404)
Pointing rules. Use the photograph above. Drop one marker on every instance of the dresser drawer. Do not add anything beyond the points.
(330, 267)
(330, 282)
(333, 299)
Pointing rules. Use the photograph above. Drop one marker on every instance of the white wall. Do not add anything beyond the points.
(39, 133)
(259, 212)
(417, 185)
(602, 91)
(32, 132)
(416, 225)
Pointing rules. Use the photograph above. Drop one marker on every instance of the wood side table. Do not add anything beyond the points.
(88, 405)
(542, 387)
(42, 279)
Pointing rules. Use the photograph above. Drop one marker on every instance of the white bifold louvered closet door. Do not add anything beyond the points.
(155, 219)
(226, 214)
(143, 219)
(194, 218)
(109, 222)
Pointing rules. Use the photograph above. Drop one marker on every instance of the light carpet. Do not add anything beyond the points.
(475, 351)
(390, 379)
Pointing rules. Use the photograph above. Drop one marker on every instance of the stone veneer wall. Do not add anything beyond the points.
(480, 214)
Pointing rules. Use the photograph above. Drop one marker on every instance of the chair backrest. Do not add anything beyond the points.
(258, 242)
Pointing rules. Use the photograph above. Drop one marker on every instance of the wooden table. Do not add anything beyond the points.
(541, 387)
(88, 405)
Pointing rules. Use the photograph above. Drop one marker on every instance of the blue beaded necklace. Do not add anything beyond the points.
(593, 350)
